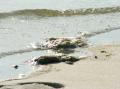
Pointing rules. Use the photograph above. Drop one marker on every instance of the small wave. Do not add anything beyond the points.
(90, 34)
(31, 47)
(52, 13)
(13, 52)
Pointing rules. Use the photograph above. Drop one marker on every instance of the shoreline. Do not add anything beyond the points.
(99, 71)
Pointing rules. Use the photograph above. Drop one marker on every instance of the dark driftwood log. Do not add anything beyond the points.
(43, 60)
(47, 60)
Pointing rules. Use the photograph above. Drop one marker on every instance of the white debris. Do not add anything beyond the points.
(21, 76)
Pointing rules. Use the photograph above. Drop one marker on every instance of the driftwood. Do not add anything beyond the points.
(43, 60)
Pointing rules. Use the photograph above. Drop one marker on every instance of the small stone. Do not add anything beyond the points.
(15, 66)
(103, 51)
(96, 57)
(69, 62)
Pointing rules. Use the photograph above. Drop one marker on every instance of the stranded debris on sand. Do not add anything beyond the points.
(66, 42)
(44, 60)
(61, 43)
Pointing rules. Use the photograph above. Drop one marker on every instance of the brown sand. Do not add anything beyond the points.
(101, 71)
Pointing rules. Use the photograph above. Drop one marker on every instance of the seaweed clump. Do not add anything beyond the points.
(64, 43)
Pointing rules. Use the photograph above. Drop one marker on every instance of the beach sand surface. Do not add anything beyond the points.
(99, 71)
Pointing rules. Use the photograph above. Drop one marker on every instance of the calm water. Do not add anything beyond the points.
(18, 31)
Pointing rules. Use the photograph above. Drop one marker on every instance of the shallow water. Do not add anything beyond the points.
(6, 69)
(17, 32)
(106, 38)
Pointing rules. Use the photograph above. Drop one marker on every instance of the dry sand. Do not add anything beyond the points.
(100, 71)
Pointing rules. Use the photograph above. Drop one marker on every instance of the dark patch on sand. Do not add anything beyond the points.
(1, 86)
(54, 85)
(33, 85)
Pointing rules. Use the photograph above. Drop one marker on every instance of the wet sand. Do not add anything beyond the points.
(100, 71)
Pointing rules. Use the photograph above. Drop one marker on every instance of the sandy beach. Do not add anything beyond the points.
(99, 71)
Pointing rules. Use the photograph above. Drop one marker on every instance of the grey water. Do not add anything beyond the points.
(17, 32)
